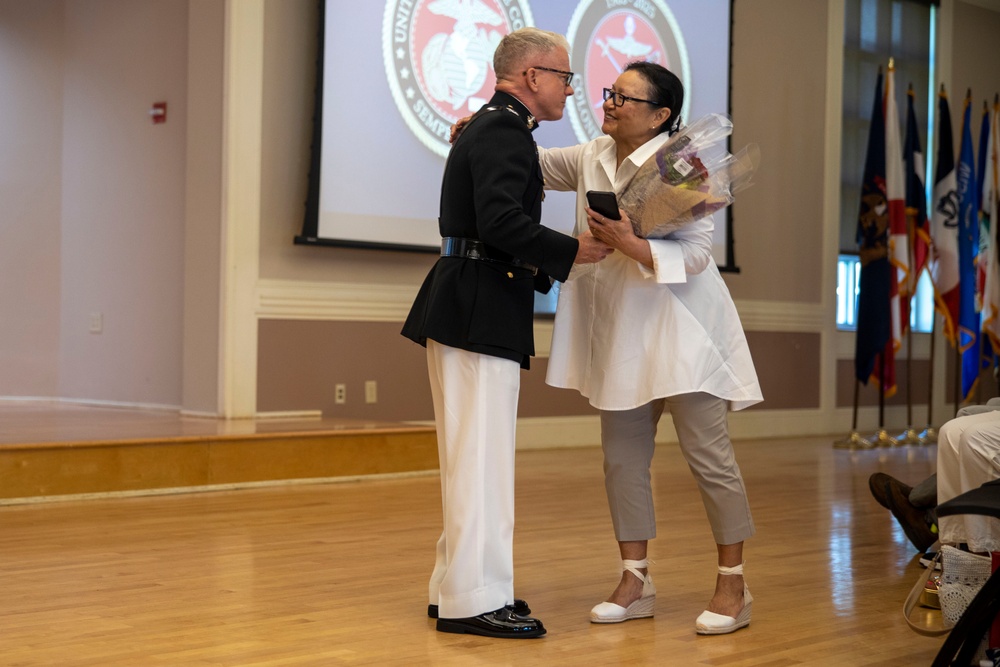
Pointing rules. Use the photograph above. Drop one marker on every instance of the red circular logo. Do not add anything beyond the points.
(605, 40)
(439, 59)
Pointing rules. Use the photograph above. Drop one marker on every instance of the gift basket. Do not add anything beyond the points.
(691, 176)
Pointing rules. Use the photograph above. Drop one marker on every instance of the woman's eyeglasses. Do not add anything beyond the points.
(619, 99)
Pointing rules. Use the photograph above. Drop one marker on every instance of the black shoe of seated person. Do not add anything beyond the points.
(916, 522)
(880, 483)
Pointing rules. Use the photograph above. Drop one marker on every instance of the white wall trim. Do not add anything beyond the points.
(242, 126)
(832, 131)
(781, 316)
(301, 300)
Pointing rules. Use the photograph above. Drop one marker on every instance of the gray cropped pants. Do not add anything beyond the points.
(627, 437)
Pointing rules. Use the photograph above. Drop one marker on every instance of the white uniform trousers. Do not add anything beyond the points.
(475, 411)
(968, 456)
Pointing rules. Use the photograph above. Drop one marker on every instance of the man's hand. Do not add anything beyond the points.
(591, 250)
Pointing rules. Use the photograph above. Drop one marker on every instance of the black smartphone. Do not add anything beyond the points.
(604, 203)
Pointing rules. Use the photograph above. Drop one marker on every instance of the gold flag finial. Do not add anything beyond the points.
(892, 64)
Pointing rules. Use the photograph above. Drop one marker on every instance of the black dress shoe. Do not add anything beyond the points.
(520, 607)
(502, 623)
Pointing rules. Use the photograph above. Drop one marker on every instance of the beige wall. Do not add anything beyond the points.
(975, 65)
(779, 102)
(136, 221)
(123, 200)
(93, 198)
(31, 108)
(203, 208)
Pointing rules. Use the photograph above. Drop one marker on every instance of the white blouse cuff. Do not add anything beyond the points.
(668, 262)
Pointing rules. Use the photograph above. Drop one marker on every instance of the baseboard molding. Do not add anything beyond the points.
(93, 403)
(585, 431)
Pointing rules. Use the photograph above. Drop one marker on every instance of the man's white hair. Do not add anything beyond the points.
(517, 47)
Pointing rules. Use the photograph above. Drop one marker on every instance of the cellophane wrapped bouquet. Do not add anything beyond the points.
(691, 176)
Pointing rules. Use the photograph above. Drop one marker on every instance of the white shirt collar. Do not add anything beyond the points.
(620, 176)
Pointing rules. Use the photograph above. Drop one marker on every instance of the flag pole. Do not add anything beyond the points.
(910, 435)
(882, 437)
(957, 391)
(853, 439)
(929, 435)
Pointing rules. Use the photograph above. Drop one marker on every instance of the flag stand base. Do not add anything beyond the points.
(928, 436)
(853, 441)
(909, 437)
(883, 439)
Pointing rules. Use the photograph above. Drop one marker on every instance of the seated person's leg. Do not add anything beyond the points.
(979, 463)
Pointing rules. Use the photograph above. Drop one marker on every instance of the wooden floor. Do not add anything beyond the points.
(336, 573)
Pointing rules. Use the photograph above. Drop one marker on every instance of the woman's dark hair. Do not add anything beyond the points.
(667, 90)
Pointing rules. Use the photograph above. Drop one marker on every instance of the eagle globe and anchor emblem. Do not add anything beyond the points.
(606, 35)
(439, 59)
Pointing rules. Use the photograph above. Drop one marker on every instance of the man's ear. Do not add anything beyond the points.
(532, 79)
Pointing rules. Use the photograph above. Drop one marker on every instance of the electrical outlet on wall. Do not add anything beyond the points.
(340, 394)
(371, 391)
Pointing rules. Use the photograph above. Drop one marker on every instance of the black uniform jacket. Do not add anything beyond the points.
(492, 191)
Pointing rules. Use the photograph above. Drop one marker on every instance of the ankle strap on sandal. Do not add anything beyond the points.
(634, 565)
(732, 570)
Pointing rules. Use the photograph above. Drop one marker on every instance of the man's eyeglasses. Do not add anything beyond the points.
(567, 76)
(619, 99)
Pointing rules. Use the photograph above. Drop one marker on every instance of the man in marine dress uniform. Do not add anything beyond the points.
(474, 313)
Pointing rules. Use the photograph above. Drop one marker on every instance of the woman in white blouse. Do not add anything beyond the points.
(651, 327)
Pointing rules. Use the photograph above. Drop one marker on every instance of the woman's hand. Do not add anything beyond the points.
(619, 235)
(457, 128)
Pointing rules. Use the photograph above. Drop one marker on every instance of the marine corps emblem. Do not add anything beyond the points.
(605, 35)
(439, 59)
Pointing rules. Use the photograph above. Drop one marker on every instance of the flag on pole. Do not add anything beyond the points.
(968, 249)
(983, 196)
(874, 324)
(982, 205)
(991, 197)
(944, 225)
(916, 196)
(895, 194)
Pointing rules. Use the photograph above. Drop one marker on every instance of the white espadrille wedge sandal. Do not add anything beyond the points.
(609, 612)
(710, 623)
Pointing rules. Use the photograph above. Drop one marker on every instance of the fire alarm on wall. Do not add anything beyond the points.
(159, 112)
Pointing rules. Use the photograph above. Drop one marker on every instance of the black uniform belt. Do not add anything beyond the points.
(456, 246)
